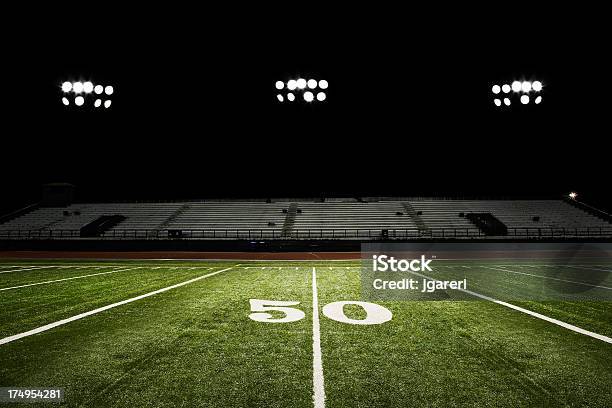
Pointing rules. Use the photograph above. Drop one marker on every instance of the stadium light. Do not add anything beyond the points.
(507, 101)
(67, 87)
(308, 96)
(280, 97)
(312, 83)
(290, 97)
(496, 89)
(79, 101)
(538, 100)
(77, 87)
(301, 83)
(526, 86)
(516, 86)
(573, 195)
(536, 86)
(291, 84)
(65, 101)
(524, 99)
(107, 104)
(323, 84)
(321, 96)
(280, 85)
(497, 102)
(109, 90)
(88, 87)
(506, 88)
(97, 103)
(98, 89)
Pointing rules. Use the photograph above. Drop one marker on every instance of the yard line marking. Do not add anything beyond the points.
(590, 269)
(318, 396)
(104, 308)
(529, 312)
(549, 277)
(28, 269)
(67, 279)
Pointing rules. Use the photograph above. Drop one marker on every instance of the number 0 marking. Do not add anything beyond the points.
(375, 314)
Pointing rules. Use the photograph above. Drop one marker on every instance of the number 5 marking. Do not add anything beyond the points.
(262, 306)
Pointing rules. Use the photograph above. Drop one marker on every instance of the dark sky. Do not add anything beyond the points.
(409, 109)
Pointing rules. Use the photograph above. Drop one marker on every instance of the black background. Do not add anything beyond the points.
(409, 109)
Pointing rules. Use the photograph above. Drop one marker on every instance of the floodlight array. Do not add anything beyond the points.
(78, 93)
(525, 91)
(306, 90)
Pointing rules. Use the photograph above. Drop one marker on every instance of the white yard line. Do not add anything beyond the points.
(548, 277)
(104, 308)
(67, 279)
(318, 396)
(587, 268)
(531, 313)
(28, 269)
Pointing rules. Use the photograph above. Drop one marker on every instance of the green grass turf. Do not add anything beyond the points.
(196, 346)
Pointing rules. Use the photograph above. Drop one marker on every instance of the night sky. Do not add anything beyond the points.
(409, 111)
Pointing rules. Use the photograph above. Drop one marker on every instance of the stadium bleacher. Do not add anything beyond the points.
(310, 219)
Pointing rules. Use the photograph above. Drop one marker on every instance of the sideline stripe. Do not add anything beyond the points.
(548, 277)
(67, 279)
(529, 312)
(104, 308)
(318, 396)
(29, 269)
(590, 269)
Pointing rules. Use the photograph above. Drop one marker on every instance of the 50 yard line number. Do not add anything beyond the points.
(375, 314)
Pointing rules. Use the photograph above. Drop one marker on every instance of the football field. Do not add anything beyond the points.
(298, 334)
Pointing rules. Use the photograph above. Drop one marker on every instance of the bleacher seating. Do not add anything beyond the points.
(315, 218)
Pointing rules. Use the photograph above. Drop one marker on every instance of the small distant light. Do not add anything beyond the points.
(280, 85)
(109, 90)
(536, 86)
(538, 100)
(301, 83)
(323, 84)
(88, 87)
(67, 86)
(526, 86)
(290, 97)
(495, 89)
(506, 88)
(98, 89)
(77, 87)
(65, 101)
(573, 195)
(97, 103)
(506, 101)
(497, 102)
(308, 96)
(107, 104)
(516, 86)
(524, 99)
(280, 97)
(292, 84)
(312, 83)
(79, 101)
(321, 96)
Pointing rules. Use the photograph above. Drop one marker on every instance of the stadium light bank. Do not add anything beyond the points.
(523, 92)
(306, 90)
(81, 93)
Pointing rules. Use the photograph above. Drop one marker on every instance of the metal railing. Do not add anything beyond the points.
(310, 234)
